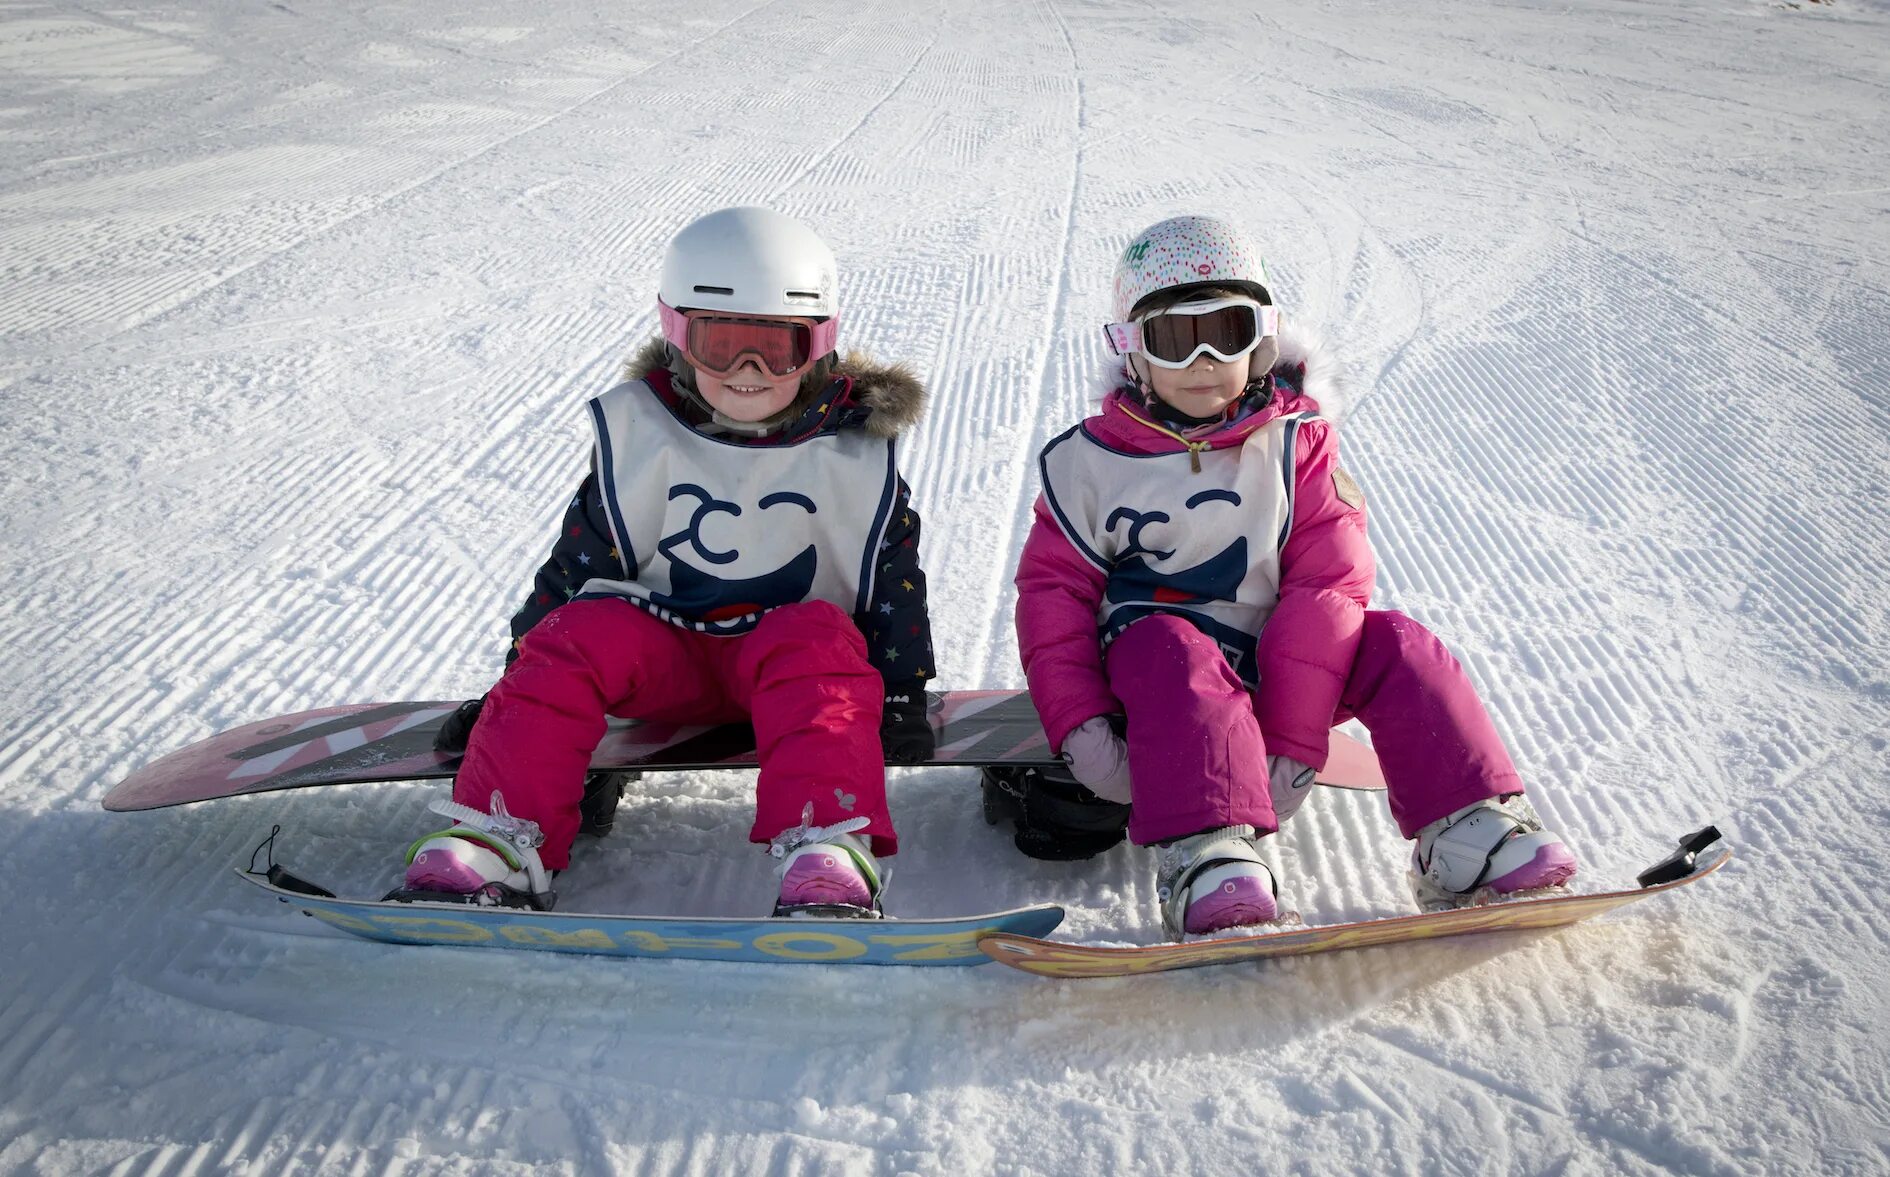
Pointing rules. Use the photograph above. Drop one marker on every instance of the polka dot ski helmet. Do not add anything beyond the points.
(1188, 251)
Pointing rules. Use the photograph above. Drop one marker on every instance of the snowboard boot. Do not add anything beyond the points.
(488, 859)
(1213, 882)
(826, 871)
(461, 861)
(603, 792)
(1494, 846)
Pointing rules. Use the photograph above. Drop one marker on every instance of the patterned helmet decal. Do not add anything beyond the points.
(1185, 250)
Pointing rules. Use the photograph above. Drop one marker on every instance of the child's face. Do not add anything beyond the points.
(1202, 389)
(748, 393)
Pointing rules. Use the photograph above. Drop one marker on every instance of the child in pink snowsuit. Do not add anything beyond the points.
(758, 532)
(1192, 608)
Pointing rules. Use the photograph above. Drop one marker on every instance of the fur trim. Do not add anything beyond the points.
(1326, 380)
(892, 394)
(652, 355)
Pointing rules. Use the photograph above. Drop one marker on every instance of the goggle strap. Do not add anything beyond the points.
(1125, 339)
(825, 337)
(675, 325)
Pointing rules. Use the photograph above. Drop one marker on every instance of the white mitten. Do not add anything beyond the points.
(1289, 781)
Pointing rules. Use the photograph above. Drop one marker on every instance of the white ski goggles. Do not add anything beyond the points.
(1226, 328)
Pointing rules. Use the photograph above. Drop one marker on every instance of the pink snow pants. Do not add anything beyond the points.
(801, 676)
(1198, 760)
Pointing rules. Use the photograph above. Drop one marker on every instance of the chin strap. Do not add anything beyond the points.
(751, 428)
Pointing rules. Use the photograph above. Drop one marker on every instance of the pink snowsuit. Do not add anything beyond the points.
(1198, 738)
(801, 674)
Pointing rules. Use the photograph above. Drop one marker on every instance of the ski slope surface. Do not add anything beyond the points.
(299, 307)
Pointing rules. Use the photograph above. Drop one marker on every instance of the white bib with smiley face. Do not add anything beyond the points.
(716, 533)
(1202, 544)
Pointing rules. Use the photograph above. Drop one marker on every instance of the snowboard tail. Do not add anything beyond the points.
(1048, 958)
(360, 743)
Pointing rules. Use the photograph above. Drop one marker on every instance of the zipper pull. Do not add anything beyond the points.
(1194, 455)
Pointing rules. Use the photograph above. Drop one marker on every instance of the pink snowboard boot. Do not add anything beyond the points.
(490, 858)
(826, 871)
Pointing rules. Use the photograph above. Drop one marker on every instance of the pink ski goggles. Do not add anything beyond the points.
(1225, 328)
(717, 342)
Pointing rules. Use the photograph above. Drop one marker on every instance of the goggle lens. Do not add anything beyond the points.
(718, 344)
(1228, 328)
(1230, 331)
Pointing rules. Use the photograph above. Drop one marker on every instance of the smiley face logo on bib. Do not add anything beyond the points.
(1139, 574)
(716, 583)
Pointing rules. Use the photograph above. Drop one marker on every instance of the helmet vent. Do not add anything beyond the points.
(715, 290)
(801, 295)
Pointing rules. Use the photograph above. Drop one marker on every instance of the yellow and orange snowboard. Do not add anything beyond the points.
(1051, 958)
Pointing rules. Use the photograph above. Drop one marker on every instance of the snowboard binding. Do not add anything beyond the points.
(1055, 818)
(1682, 862)
(603, 792)
(492, 895)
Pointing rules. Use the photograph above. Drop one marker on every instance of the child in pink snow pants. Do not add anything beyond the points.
(1192, 608)
(800, 675)
(1435, 742)
(743, 549)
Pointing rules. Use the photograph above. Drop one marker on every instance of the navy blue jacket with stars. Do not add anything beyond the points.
(883, 400)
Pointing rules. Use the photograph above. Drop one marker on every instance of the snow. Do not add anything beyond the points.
(299, 306)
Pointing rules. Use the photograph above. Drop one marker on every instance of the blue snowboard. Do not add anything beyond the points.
(796, 941)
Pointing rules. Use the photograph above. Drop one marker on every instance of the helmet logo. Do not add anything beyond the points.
(1183, 251)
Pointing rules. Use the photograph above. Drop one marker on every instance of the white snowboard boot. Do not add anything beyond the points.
(1495, 846)
(1213, 881)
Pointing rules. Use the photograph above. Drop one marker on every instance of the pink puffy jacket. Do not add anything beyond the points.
(1307, 646)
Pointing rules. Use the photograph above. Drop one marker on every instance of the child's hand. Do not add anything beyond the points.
(904, 731)
(1289, 781)
(1099, 759)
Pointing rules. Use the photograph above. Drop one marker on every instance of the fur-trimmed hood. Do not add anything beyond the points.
(1322, 374)
(885, 400)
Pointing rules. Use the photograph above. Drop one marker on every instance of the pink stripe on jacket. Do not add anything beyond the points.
(1307, 646)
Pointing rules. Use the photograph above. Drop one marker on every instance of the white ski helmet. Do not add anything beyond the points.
(1184, 252)
(750, 261)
